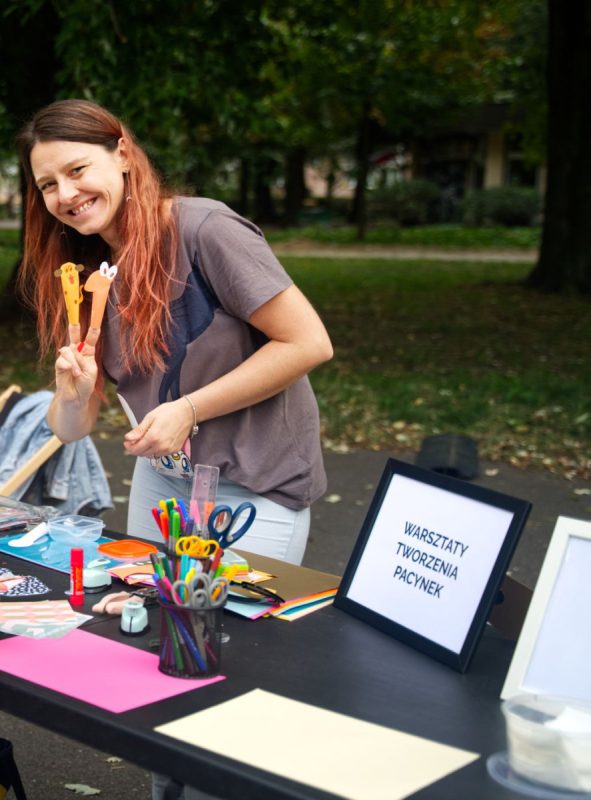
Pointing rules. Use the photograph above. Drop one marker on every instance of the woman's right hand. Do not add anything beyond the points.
(76, 368)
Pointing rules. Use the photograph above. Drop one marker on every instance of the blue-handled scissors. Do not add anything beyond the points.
(223, 521)
(202, 591)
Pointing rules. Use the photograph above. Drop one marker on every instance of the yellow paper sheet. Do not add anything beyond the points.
(353, 759)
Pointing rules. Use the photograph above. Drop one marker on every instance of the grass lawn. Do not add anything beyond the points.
(430, 347)
(446, 236)
(423, 347)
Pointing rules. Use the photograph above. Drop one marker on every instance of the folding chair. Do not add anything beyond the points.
(8, 399)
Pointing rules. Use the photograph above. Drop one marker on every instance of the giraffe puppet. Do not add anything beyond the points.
(72, 289)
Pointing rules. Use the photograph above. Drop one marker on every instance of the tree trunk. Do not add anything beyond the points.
(244, 187)
(565, 255)
(264, 206)
(28, 40)
(12, 311)
(295, 185)
(362, 147)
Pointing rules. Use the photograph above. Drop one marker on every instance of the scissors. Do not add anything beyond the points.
(196, 547)
(202, 591)
(222, 523)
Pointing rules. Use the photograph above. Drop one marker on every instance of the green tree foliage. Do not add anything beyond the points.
(268, 84)
(184, 73)
(354, 72)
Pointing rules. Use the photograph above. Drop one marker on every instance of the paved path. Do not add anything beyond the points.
(307, 249)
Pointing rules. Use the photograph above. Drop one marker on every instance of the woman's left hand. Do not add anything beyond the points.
(162, 431)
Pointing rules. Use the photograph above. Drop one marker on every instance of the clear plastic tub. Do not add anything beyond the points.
(549, 741)
(74, 530)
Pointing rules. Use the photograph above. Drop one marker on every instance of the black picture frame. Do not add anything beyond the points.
(468, 596)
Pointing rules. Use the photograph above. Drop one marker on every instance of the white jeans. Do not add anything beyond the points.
(277, 532)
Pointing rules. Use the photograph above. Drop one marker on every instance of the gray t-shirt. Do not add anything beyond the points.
(225, 271)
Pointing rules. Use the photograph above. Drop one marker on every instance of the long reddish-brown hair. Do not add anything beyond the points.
(146, 231)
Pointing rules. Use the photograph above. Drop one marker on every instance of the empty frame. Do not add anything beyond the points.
(553, 652)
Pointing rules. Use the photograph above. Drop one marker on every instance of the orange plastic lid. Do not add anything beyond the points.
(126, 549)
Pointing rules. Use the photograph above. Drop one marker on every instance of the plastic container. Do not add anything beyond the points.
(549, 741)
(74, 530)
(190, 641)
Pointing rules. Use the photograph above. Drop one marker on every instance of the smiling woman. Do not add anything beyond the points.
(82, 185)
(203, 332)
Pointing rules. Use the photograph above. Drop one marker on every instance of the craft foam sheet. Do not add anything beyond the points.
(111, 675)
(353, 759)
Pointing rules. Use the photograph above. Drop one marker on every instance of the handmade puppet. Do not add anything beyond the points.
(99, 283)
(72, 289)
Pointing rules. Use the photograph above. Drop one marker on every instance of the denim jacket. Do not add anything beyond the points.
(71, 480)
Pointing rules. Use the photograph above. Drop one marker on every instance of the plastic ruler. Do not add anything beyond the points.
(205, 487)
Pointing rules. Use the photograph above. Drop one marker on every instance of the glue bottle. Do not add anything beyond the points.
(76, 576)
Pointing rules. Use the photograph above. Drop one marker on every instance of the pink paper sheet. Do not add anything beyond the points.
(107, 674)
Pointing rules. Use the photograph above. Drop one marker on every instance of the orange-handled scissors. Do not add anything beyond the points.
(196, 547)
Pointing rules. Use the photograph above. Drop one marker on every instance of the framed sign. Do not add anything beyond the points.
(553, 651)
(429, 560)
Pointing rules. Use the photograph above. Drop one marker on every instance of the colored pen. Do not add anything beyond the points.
(166, 588)
(184, 568)
(184, 510)
(156, 515)
(215, 561)
(155, 559)
(175, 519)
(166, 567)
(178, 658)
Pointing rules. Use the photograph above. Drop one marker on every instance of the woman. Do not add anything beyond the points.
(205, 336)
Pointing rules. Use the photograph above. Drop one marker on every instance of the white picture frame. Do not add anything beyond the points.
(553, 652)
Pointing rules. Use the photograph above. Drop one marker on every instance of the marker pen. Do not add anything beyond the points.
(76, 576)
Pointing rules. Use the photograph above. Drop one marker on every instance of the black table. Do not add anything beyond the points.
(328, 659)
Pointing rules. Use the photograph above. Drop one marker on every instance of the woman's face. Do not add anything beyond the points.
(82, 184)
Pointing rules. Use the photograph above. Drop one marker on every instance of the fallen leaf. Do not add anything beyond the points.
(333, 498)
(82, 788)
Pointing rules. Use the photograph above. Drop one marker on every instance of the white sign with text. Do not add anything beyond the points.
(429, 556)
